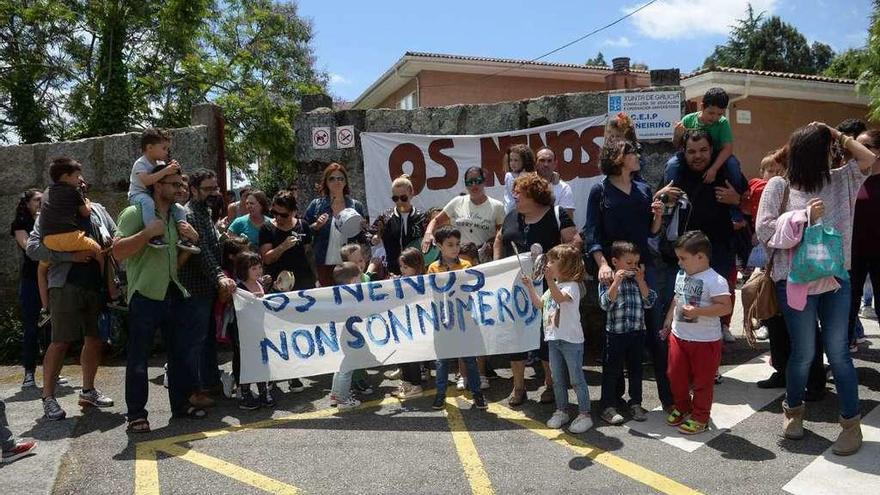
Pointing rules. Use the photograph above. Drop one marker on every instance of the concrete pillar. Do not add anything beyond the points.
(211, 116)
(311, 102)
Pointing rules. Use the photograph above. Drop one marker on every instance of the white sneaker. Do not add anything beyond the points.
(558, 419)
(612, 417)
(728, 337)
(394, 374)
(228, 383)
(762, 333)
(351, 403)
(407, 391)
(484, 383)
(581, 424)
(459, 383)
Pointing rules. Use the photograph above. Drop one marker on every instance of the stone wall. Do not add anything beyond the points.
(450, 120)
(106, 161)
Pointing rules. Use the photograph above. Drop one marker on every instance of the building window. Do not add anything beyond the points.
(408, 102)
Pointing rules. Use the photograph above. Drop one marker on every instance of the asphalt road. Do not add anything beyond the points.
(391, 447)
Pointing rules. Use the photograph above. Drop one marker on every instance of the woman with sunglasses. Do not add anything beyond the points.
(398, 227)
(283, 242)
(477, 216)
(319, 216)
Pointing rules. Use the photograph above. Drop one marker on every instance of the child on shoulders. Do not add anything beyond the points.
(519, 158)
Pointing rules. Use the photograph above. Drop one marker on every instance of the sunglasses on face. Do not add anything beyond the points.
(336, 178)
(473, 181)
(403, 198)
(279, 214)
(631, 148)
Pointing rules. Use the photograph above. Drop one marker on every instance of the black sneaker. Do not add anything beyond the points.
(480, 402)
(776, 380)
(247, 401)
(439, 402)
(45, 317)
(157, 243)
(266, 398)
(296, 385)
(361, 386)
(188, 246)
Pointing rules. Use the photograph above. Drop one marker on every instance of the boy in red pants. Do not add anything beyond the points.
(702, 297)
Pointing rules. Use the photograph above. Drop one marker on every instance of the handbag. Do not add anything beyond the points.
(819, 255)
(758, 294)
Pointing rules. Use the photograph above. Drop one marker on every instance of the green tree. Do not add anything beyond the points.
(849, 64)
(769, 44)
(869, 82)
(598, 60)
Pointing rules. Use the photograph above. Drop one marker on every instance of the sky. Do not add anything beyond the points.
(355, 42)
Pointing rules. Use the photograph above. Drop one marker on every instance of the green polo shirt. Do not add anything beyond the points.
(150, 270)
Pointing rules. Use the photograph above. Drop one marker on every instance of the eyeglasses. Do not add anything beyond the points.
(336, 178)
(473, 181)
(276, 213)
(176, 185)
(403, 198)
(630, 148)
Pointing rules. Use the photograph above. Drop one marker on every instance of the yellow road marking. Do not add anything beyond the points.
(233, 471)
(467, 451)
(627, 468)
(146, 471)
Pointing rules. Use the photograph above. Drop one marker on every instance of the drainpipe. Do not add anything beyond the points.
(748, 87)
(418, 92)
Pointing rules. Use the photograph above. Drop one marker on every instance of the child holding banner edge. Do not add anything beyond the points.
(448, 239)
(346, 273)
(562, 331)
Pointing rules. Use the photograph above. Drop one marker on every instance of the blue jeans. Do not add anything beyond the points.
(29, 297)
(203, 321)
(341, 387)
(148, 208)
(567, 356)
(832, 311)
(662, 279)
(622, 350)
(473, 374)
(173, 316)
(7, 440)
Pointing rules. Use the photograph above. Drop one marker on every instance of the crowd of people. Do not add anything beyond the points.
(664, 266)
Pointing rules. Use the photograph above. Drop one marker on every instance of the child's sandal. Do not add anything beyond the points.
(138, 426)
(692, 427)
(675, 418)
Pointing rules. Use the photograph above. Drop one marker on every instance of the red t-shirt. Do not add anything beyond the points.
(756, 189)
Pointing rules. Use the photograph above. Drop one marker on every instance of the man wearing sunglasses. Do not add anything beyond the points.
(204, 279)
(546, 165)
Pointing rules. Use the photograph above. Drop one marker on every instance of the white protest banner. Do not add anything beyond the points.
(654, 113)
(479, 311)
(436, 164)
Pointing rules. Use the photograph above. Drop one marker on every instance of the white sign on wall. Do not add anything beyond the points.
(654, 113)
(345, 137)
(321, 138)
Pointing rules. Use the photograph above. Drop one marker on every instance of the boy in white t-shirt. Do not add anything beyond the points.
(702, 297)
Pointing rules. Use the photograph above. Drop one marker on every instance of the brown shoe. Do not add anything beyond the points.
(201, 400)
(547, 396)
(793, 422)
(850, 439)
(517, 398)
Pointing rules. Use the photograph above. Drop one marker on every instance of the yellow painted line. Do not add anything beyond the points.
(230, 470)
(467, 451)
(146, 471)
(627, 468)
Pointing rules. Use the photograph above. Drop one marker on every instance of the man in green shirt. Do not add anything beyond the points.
(156, 298)
(712, 120)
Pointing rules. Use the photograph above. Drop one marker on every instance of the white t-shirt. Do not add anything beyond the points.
(564, 196)
(698, 290)
(141, 165)
(563, 321)
(334, 244)
(477, 223)
(509, 202)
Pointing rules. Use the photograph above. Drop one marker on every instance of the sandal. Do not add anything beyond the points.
(675, 418)
(692, 427)
(192, 412)
(517, 398)
(140, 425)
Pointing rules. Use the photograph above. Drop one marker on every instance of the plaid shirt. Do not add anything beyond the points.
(201, 272)
(626, 313)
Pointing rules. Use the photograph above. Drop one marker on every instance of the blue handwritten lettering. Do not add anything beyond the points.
(309, 340)
(503, 296)
(267, 344)
(276, 302)
(396, 324)
(355, 290)
(450, 281)
(359, 340)
(477, 284)
(371, 290)
(463, 308)
(330, 339)
(484, 308)
(519, 295)
(431, 317)
(376, 341)
(309, 301)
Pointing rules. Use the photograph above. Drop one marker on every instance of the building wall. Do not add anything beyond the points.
(394, 99)
(438, 89)
(774, 119)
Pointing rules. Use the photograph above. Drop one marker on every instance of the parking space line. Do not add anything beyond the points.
(467, 451)
(230, 470)
(627, 468)
(146, 470)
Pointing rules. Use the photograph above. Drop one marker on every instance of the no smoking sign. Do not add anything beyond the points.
(345, 136)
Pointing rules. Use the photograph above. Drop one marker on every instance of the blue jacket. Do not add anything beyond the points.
(615, 216)
(322, 205)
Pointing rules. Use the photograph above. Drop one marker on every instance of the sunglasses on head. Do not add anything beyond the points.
(474, 181)
(278, 214)
(403, 198)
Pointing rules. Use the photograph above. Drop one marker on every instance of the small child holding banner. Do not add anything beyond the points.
(563, 333)
(248, 273)
(354, 253)
(412, 263)
(346, 273)
(448, 240)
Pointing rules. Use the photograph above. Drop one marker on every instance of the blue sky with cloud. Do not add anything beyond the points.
(355, 41)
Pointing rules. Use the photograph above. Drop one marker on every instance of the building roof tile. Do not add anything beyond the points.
(787, 75)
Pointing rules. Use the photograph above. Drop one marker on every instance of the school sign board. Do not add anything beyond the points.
(654, 113)
(436, 164)
(479, 311)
